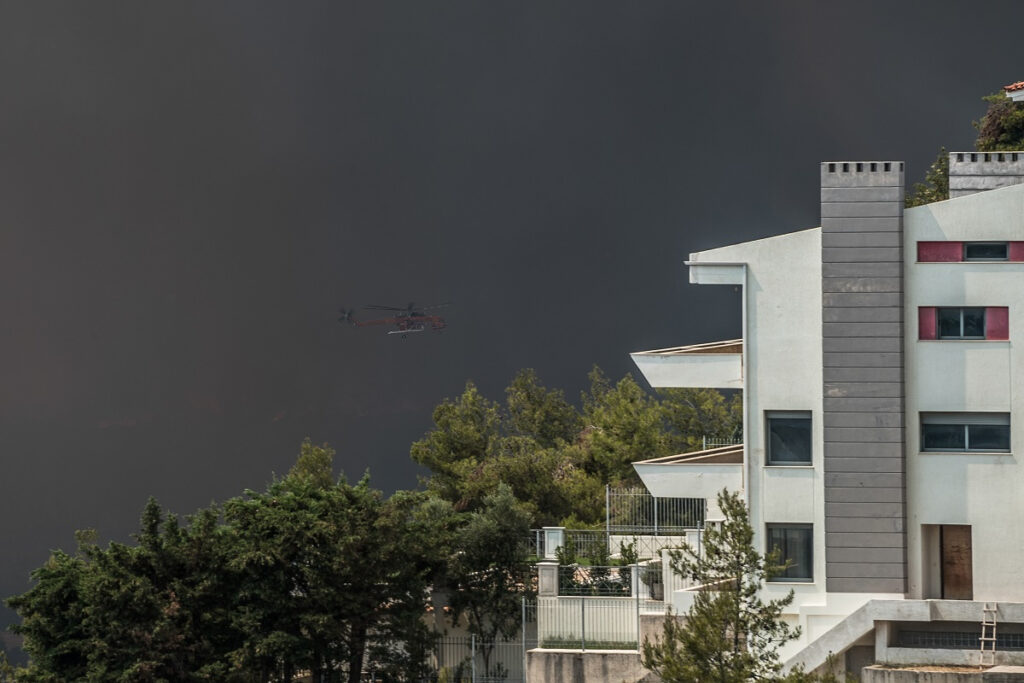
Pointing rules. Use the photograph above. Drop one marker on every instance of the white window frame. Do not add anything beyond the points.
(966, 420)
(809, 528)
(787, 414)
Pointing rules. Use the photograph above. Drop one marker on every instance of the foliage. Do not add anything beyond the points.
(488, 574)
(465, 435)
(539, 413)
(1002, 126)
(624, 425)
(731, 635)
(555, 458)
(695, 413)
(935, 187)
(309, 575)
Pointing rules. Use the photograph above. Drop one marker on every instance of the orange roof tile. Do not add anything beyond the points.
(1019, 85)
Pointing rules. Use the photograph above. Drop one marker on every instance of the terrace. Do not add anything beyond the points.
(717, 365)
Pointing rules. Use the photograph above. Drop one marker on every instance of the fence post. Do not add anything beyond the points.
(547, 578)
(554, 538)
(583, 624)
(655, 515)
(472, 661)
(522, 637)
(636, 580)
(607, 509)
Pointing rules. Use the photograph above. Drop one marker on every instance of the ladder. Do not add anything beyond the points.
(988, 634)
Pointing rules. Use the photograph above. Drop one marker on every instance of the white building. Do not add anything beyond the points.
(883, 413)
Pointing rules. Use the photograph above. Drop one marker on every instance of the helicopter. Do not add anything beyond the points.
(406, 320)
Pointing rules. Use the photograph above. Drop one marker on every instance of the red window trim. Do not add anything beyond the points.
(953, 252)
(997, 323)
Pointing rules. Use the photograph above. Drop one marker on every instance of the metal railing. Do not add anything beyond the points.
(593, 545)
(636, 511)
(718, 443)
(604, 581)
(468, 659)
(591, 623)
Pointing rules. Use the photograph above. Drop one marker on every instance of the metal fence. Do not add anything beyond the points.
(603, 581)
(599, 546)
(468, 659)
(586, 623)
(719, 443)
(636, 511)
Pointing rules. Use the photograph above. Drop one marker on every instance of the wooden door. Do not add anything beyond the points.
(957, 567)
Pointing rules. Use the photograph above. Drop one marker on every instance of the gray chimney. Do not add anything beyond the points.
(971, 172)
(862, 339)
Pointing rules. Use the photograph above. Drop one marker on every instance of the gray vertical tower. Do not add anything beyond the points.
(862, 330)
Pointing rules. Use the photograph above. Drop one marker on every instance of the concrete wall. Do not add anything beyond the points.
(782, 309)
(862, 302)
(573, 666)
(981, 490)
(972, 172)
(875, 674)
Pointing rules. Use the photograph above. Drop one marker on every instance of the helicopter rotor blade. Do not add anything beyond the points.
(376, 307)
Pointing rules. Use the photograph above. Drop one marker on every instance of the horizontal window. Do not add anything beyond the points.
(794, 544)
(954, 252)
(984, 432)
(789, 437)
(963, 322)
(986, 251)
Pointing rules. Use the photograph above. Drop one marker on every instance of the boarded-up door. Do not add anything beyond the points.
(957, 575)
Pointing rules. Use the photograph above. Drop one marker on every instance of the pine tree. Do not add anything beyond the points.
(730, 635)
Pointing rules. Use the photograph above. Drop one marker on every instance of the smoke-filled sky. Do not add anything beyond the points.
(190, 190)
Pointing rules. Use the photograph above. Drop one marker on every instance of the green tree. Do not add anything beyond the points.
(935, 187)
(730, 634)
(1002, 126)
(538, 413)
(53, 620)
(695, 413)
(331, 571)
(624, 424)
(465, 434)
(308, 575)
(488, 574)
(555, 458)
(148, 612)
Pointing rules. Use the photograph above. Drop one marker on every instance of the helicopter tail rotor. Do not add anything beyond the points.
(346, 316)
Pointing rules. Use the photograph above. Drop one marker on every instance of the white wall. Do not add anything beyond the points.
(782, 331)
(984, 491)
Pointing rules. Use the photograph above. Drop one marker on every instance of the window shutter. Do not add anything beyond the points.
(1016, 251)
(926, 323)
(997, 322)
(940, 252)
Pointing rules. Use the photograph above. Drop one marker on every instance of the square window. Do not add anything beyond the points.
(986, 251)
(795, 544)
(789, 438)
(965, 432)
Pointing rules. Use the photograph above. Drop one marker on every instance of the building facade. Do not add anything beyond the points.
(882, 413)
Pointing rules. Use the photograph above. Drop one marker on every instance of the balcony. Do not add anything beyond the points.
(717, 365)
(701, 474)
